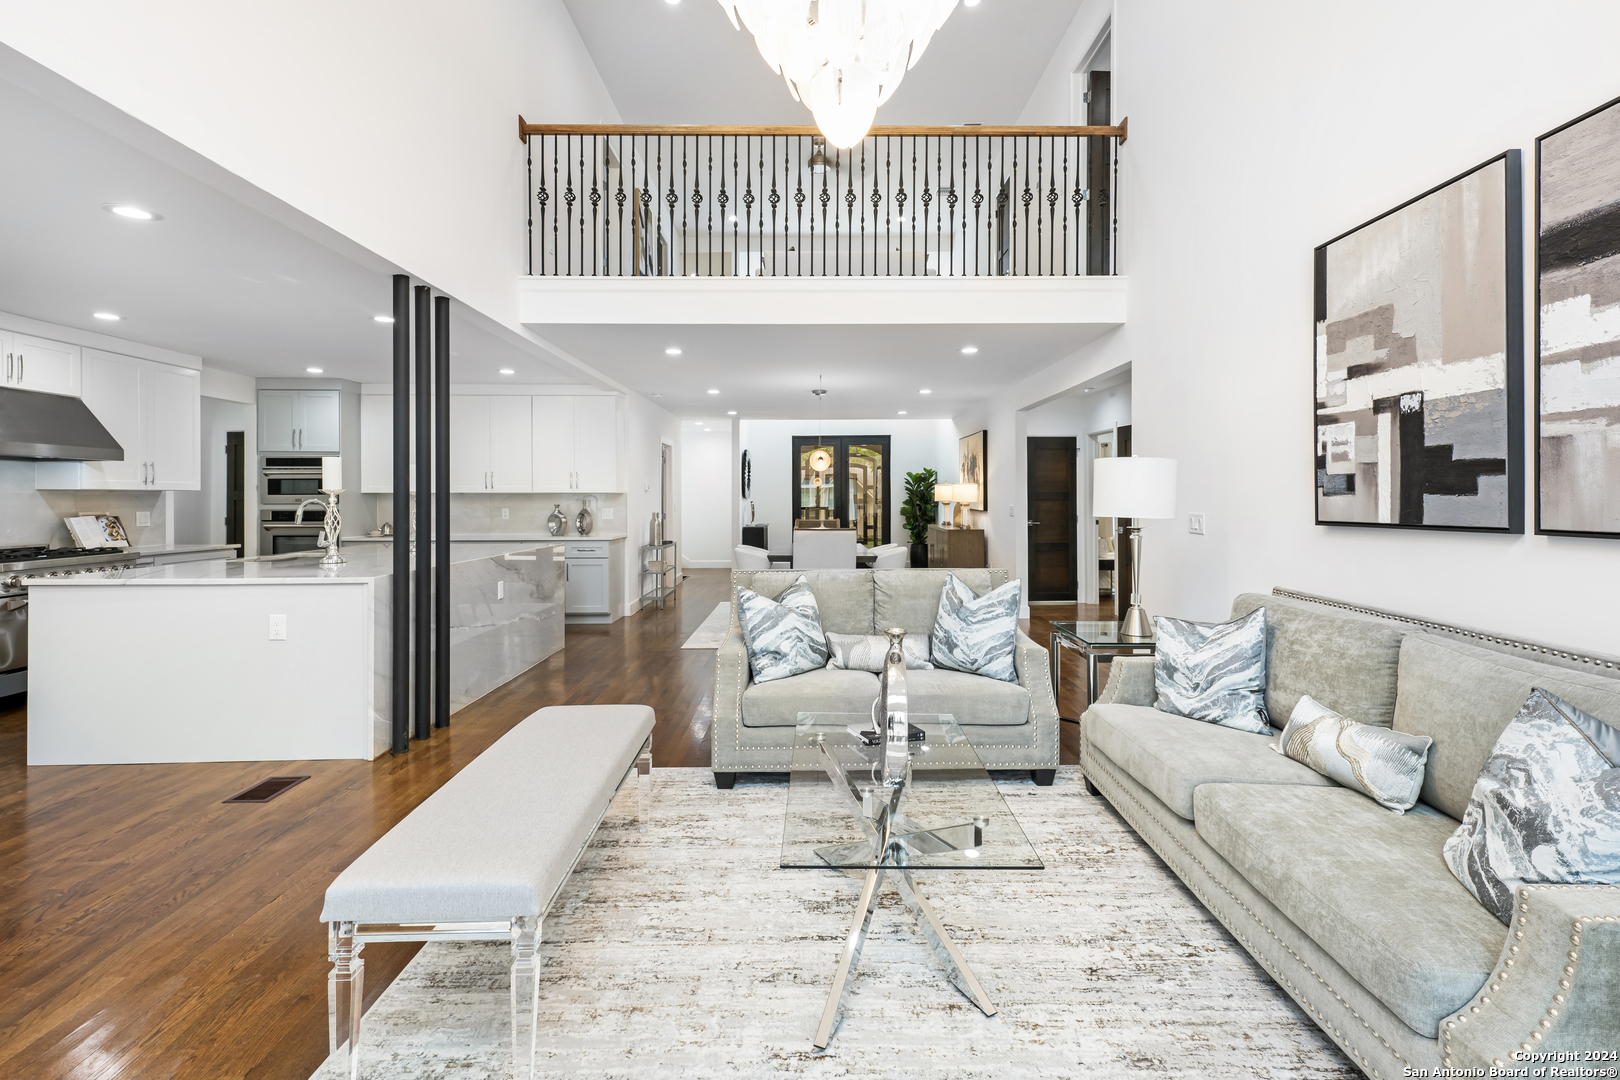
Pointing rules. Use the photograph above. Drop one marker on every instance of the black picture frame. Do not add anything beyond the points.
(978, 444)
(1541, 258)
(1513, 460)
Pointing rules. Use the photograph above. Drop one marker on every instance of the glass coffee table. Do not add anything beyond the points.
(946, 815)
(1091, 640)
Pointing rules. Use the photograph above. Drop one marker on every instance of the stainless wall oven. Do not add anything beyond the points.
(288, 481)
(280, 535)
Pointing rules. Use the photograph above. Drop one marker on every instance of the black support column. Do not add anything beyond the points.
(400, 675)
(441, 511)
(422, 710)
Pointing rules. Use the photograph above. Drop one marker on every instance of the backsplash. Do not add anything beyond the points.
(480, 514)
(29, 516)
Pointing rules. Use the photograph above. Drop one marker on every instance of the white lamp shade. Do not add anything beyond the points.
(942, 493)
(964, 493)
(1134, 487)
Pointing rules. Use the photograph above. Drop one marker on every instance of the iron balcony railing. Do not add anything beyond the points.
(625, 201)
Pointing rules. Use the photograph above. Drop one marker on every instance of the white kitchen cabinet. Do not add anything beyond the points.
(576, 443)
(469, 443)
(300, 420)
(553, 443)
(49, 367)
(153, 410)
(377, 442)
(490, 443)
(511, 450)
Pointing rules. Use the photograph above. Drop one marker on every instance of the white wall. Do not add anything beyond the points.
(913, 445)
(1258, 132)
(646, 429)
(393, 122)
(706, 534)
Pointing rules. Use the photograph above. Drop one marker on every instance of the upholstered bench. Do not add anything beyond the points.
(483, 857)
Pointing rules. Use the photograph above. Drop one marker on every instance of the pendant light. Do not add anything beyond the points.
(820, 461)
(842, 58)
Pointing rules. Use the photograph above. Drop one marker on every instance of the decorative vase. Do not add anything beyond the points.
(556, 522)
(583, 521)
(919, 556)
(894, 728)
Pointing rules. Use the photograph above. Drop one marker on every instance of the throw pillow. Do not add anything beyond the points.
(1546, 807)
(783, 635)
(1387, 766)
(866, 652)
(1215, 672)
(977, 634)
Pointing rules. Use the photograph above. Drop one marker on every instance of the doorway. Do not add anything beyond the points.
(1099, 177)
(844, 478)
(1053, 521)
(235, 489)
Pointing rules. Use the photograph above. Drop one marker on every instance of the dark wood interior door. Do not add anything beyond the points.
(1124, 569)
(235, 493)
(1099, 178)
(1054, 540)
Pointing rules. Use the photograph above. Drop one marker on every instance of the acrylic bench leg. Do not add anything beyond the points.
(525, 994)
(644, 786)
(345, 993)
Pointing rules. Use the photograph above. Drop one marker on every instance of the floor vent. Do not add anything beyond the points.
(265, 790)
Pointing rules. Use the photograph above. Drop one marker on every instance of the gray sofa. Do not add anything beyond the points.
(1011, 725)
(1349, 907)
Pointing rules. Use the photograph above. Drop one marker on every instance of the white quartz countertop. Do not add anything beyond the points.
(361, 565)
(493, 538)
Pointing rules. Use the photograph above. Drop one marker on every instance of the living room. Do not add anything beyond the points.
(1305, 823)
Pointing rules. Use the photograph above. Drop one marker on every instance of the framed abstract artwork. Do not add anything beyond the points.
(1578, 326)
(970, 455)
(1419, 361)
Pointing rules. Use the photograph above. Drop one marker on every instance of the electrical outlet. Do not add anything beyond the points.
(506, 513)
(607, 514)
(1012, 511)
(500, 590)
(278, 628)
(143, 519)
(1195, 524)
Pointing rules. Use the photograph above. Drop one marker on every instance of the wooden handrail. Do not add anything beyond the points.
(527, 129)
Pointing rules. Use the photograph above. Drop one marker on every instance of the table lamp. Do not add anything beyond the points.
(1135, 488)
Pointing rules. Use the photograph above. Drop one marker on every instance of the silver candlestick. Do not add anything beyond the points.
(331, 523)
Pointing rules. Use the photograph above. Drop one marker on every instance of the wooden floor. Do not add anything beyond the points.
(147, 930)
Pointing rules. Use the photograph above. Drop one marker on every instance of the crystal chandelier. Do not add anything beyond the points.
(842, 58)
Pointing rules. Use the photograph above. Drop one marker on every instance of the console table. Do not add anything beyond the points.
(949, 545)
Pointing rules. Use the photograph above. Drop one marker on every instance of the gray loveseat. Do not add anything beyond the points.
(1011, 725)
(1349, 907)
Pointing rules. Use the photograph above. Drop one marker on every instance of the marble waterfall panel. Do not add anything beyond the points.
(506, 616)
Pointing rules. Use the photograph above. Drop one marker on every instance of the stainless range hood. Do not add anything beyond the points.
(47, 427)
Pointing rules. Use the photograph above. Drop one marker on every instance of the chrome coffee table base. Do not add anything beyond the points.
(898, 838)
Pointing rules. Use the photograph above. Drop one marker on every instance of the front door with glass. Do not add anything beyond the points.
(844, 479)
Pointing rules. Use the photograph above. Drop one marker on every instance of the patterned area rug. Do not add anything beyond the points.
(711, 633)
(683, 951)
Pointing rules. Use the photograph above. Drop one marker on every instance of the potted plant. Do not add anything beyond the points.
(918, 511)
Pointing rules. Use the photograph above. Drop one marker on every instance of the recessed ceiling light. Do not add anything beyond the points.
(902, 412)
(133, 213)
(108, 316)
(672, 351)
(714, 391)
(1088, 389)
(925, 391)
(508, 371)
(382, 318)
(314, 370)
(969, 350)
(970, 3)
(731, 412)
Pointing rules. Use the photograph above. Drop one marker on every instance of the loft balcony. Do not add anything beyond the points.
(631, 224)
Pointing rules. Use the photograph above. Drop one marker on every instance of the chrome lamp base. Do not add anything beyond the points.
(1136, 623)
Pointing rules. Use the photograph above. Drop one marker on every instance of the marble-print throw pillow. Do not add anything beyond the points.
(866, 652)
(1215, 672)
(1546, 807)
(1386, 766)
(977, 634)
(783, 635)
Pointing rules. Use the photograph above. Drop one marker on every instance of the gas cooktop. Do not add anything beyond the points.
(30, 554)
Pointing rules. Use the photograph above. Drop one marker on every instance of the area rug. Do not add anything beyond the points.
(711, 634)
(683, 951)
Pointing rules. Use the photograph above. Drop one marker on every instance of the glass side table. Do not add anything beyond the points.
(1092, 640)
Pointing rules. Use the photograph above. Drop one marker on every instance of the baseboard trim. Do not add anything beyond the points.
(706, 564)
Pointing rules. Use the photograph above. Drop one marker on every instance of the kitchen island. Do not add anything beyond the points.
(264, 660)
